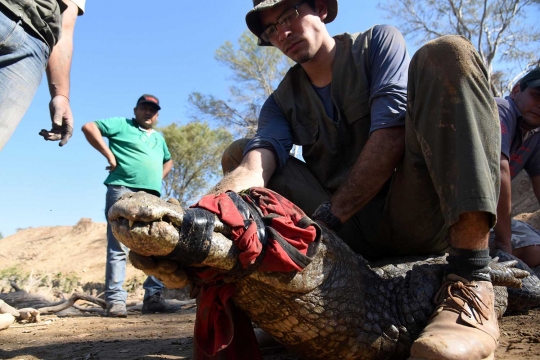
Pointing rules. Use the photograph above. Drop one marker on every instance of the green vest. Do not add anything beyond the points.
(42, 17)
(330, 149)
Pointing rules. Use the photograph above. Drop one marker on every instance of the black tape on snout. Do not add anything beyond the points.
(248, 211)
(195, 237)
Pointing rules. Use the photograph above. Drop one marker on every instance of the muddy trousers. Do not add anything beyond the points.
(450, 166)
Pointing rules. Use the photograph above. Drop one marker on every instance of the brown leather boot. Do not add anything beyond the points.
(464, 325)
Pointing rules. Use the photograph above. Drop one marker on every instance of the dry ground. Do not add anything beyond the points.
(53, 254)
(170, 337)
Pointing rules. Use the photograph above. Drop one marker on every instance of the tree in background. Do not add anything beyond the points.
(257, 70)
(1, 236)
(495, 27)
(196, 151)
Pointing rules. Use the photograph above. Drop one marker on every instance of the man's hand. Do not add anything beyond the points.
(112, 164)
(62, 121)
(165, 270)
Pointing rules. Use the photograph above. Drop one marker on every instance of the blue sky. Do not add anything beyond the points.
(165, 48)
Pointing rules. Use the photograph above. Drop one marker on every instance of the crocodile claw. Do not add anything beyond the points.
(505, 274)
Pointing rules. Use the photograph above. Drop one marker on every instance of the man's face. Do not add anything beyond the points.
(528, 103)
(301, 40)
(146, 115)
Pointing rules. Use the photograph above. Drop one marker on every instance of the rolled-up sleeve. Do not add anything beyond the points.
(273, 132)
(388, 92)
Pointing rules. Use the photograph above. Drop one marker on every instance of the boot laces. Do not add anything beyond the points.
(454, 295)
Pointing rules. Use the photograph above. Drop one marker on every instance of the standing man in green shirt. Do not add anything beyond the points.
(138, 161)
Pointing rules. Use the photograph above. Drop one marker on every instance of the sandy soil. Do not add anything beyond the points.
(80, 251)
(170, 337)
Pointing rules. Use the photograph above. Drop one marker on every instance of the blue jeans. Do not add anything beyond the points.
(22, 61)
(115, 270)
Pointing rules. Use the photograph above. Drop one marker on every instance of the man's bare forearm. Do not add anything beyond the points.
(503, 228)
(377, 162)
(59, 64)
(255, 170)
(94, 137)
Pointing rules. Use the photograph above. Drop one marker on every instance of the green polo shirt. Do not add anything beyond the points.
(140, 155)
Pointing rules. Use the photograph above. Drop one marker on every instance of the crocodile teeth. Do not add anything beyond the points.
(131, 224)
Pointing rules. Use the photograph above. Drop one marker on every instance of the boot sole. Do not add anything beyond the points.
(117, 315)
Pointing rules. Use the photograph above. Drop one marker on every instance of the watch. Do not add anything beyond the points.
(324, 214)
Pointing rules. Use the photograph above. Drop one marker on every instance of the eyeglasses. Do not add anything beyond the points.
(284, 20)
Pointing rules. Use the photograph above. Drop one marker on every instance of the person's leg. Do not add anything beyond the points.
(115, 269)
(526, 243)
(530, 255)
(233, 155)
(22, 61)
(457, 130)
(154, 302)
(151, 287)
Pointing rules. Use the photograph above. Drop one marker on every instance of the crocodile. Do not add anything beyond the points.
(338, 306)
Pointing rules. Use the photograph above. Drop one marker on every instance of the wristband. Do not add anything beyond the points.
(324, 214)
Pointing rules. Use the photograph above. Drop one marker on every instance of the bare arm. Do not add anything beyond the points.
(58, 69)
(503, 228)
(255, 169)
(377, 162)
(94, 137)
(167, 166)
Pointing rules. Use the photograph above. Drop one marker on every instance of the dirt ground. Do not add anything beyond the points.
(52, 254)
(161, 336)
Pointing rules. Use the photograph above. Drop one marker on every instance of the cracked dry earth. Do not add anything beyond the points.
(162, 336)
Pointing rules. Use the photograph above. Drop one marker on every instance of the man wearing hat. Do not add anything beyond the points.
(519, 114)
(138, 160)
(394, 166)
(397, 162)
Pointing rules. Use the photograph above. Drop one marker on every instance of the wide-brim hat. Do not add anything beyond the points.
(253, 19)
